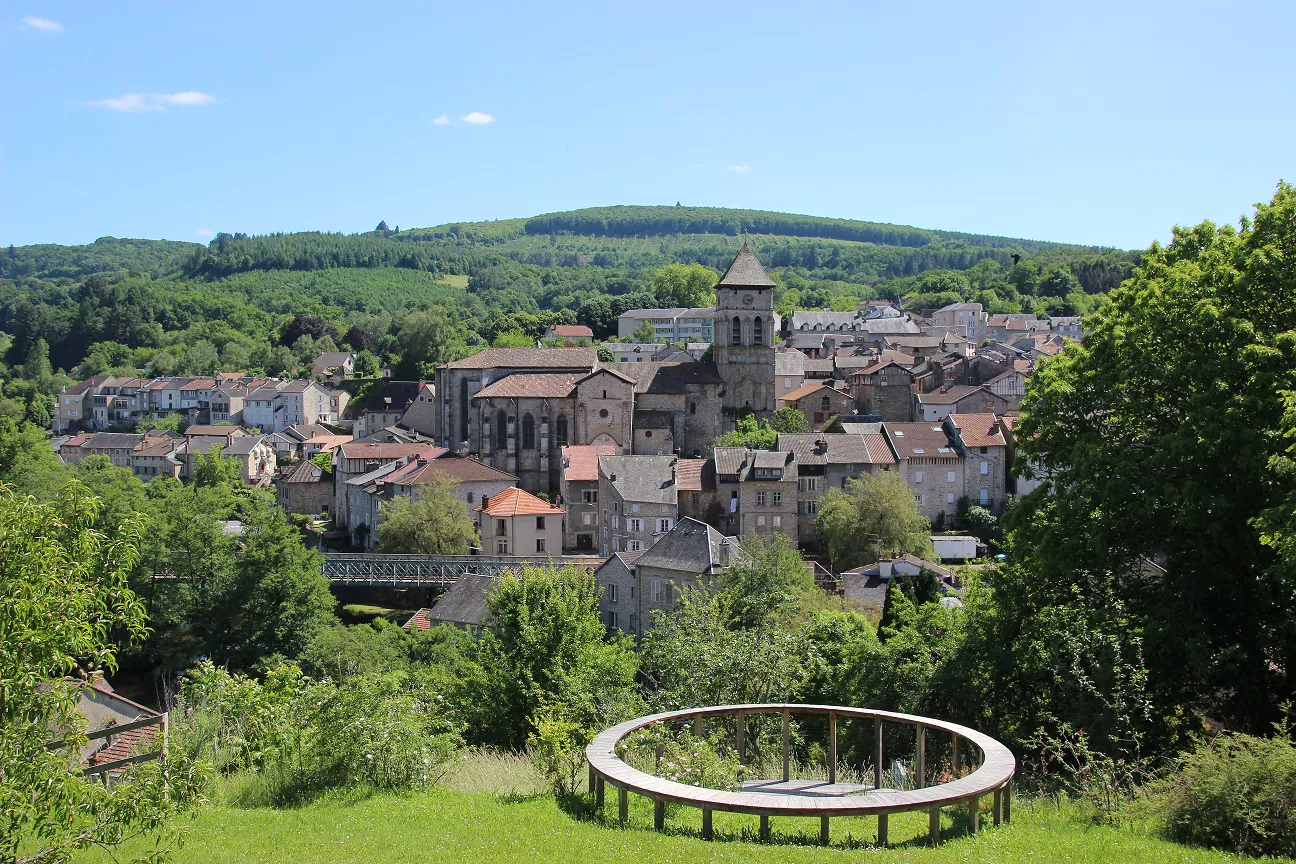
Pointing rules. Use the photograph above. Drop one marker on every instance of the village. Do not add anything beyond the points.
(556, 452)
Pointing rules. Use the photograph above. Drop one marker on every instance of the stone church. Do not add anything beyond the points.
(516, 408)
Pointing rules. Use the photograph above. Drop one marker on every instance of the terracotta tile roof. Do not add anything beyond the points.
(924, 440)
(580, 462)
(808, 390)
(530, 358)
(461, 469)
(978, 430)
(420, 620)
(878, 449)
(695, 475)
(572, 331)
(532, 385)
(745, 271)
(200, 384)
(665, 377)
(206, 429)
(516, 502)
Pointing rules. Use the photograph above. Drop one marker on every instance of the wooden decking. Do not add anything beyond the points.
(788, 797)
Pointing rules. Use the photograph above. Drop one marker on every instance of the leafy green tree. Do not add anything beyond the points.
(789, 420)
(872, 518)
(512, 339)
(427, 337)
(605, 355)
(27, 464)
(367, 365)
(686, 285)
(1059, 282)
(323, 461)
(202, 357)
(644, 333)
(437, 523)
(766, 586)
(36, 367)
(546, 648)
(168, 423)
(1161, 435)
(750, 433)
(64, 586)
(214, 468)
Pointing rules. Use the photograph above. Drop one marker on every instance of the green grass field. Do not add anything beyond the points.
(455, 280)
(467, 823)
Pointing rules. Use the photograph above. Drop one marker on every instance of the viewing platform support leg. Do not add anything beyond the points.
(1007, 801)
(882, 829)
(707, 833)
(787, 770)
(764, 828)
(823, 830)
(623, 806)
(599, 790)
(592, 780)
(920, 770)
(832, 750)
(974, 815)
(659, 815)
(933, 825)
(877, 755)
(997, 809)
(741, 742)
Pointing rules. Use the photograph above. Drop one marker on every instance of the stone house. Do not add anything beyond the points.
(334, 364)
(789, 371)
(958, 398)
(692, 554)
(930, 465)
(639, 501)
(385, 407)
(1011, 386)
(757, 491)
(695, 481)
(73, 408)
(304, 488)
(829, 460)
(474, 481)
(579, 495)
(981, 440)
(515, 522)
(885, 389)
(818, 403)
(158, 457)
(356, 459)
(966, 319)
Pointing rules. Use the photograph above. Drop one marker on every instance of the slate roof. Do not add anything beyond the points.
(947, 396)
(815, 365)
(729, 460)
(532, 385)
(768, 459)
(738, 462)
(841, 448)
(695, 475)
(789, 363)
(463, 603)
(690, 547)
(891, 326)
(978, 430)
(245, 445)
(516, 502)
(745, 271)
(580, 462)
(645, 419)
(828, 321)
(114, 441)
(924, 440)
(530, 358)
(665, 377)
(329, 359)
(641, 479)
(305, 472)
(916, 341)
(859, 427)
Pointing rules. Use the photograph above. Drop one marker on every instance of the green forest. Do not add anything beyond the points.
(246, 302)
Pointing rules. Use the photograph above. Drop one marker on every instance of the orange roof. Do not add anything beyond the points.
(580, 462)
(807, 390)
(572, 331)
(978, 430)
(691, 475)
(516, 502)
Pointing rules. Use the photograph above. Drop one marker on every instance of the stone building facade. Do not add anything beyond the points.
(638, 499)
(745, 335)
(981, 440)
(886, 390)
(757, 490)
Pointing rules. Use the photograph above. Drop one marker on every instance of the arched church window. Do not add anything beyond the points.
(561, 428)
(528, 432)
(501, 430)
(736, 339)
(463, 409)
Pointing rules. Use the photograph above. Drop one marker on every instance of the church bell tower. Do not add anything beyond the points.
(745, 334)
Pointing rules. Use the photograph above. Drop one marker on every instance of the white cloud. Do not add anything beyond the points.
(139, 103)
(205, 232)
(477, 118)
(443, 120)
(739, 169)
(45, 25)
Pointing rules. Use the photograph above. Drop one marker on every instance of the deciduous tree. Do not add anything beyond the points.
(437, 523)
(873, 517)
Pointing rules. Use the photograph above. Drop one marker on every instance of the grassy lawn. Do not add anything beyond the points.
(363, 613)
(454, 280)
(530, 829)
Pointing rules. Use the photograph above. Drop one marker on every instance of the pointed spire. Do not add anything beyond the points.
(745, 271)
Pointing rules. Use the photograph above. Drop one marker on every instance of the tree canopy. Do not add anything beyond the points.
(873, 517)
(436, 523)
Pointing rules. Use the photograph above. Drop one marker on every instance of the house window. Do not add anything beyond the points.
(561, 427)
(501, 528)
(656, 591)
(634, 546)
(590, 496)
(612, 619)
(811, 484)
(540, 523)
(528, 432)
(540, 545)
(692, 407)
(985, 467)
(663, 525)
(778, 499)
(587, 518)
(985, 449)
(949, 497)
(918, 476)
(760, 499)
(501, 547)
(825, 405)
(758, 331)
(603, 413)
(736, 336)
(612, 593)
(776, 521)
(949, 476)
(634, 525)
(760, 521)
(811, 508)
(634, 508)
(984, 497)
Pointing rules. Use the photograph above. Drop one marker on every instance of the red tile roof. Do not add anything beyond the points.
(808, 390)
(580, 462)
(572, 331)
(420, 620)
(978, 430)
(878, 450)
(691, 475)
(532, 385)
(515, 502)
(461, 469)
(530, 358)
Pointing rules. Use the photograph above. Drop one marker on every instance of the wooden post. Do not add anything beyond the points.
(1007, 801)
(764, 828)
(590, 787)
(623, 806)
(707, 834)
(974, 815)
(697, 726)
(599, 791)
(659, 814)
(954, 758)
(166, 730)
(787, 770)
(877, 753)
(742, 744)
(823, 830)
(920, 772)
(832, 753)
(933, 825)
(882, 829)
(997, 808)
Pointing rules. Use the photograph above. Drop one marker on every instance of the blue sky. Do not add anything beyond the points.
(1081, 122)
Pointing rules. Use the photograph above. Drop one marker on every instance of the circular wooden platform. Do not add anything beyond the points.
(992, 774)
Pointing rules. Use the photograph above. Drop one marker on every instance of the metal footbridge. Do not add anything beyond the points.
(409, 571)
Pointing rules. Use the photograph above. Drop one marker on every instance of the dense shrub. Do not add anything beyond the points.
(1234, 792)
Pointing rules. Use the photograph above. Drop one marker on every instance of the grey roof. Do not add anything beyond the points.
(114, 441)
(736, 461)
(950, 396)
(807, 338)
(305, 472)
(816, 365)
(825, 320)
(789, 363)
(669, 312)
(729, 460)
(691, 547)
(769, 459)
(530, 358)
(838, 448)
(745, 271)
(644, 419)
(856, 428)
(645, 479)
(891, 326)
(665, 377)
(243, 446)
(464, 602)
(956, 307)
